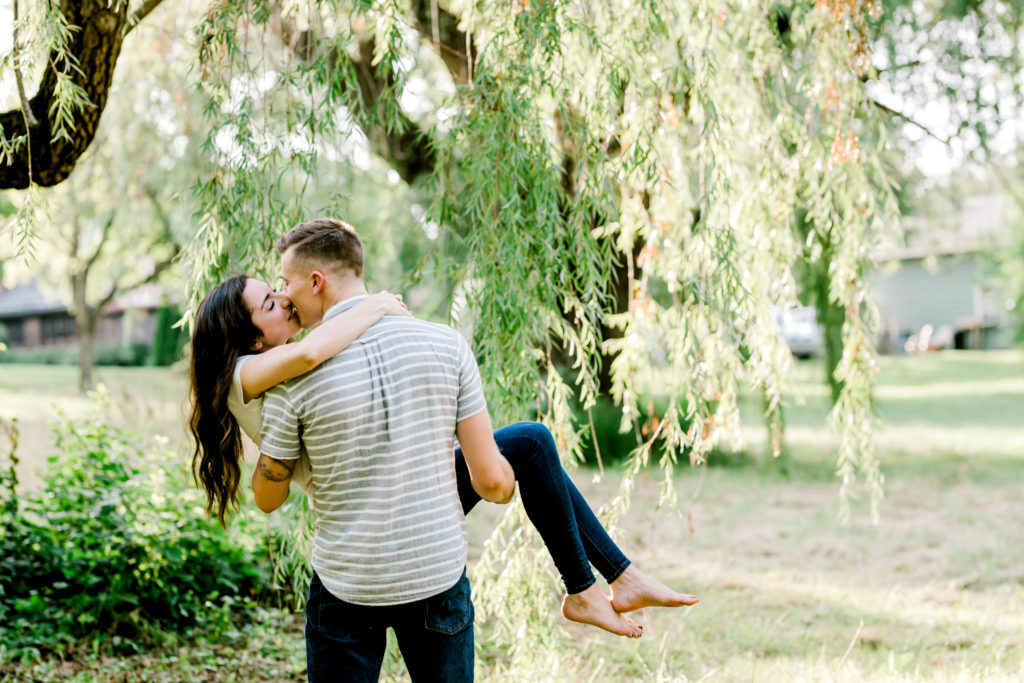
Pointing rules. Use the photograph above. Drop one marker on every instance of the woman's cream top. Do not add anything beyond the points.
(250, 418)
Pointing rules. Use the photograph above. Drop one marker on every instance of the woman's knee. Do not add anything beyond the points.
(527, 446)
(538, 433)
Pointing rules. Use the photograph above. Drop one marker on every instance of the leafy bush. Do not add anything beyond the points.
(133, 354)
(615, 444)
(115, 547)
(42, 355)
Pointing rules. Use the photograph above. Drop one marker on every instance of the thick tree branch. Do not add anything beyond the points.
(30, 119)
(158, 270)
(104, 236)
(107, 298)
(166, 236)
(96, 45)
(442, 30)
(161, 214)
(406, 146)
(141, 13)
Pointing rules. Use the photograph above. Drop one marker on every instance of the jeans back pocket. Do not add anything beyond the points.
(451, 611)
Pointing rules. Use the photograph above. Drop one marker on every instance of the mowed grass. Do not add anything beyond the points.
(151, 400)
(934, 591)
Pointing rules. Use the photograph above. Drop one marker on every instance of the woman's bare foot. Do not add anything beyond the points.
(634, 590)
(593, 607)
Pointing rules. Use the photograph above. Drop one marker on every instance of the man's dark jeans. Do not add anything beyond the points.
(346, 642)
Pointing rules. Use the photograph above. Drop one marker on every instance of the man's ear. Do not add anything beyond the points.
(318, 281)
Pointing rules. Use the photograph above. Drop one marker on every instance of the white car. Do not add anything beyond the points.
(800, 330)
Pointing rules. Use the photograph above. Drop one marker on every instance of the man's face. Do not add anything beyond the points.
(298, 287)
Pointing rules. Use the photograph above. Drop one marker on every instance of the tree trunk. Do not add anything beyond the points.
(815, 282)
(85, 327)
(96, 44)
(831, 316)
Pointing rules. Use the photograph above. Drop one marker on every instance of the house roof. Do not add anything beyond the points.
(28, 300)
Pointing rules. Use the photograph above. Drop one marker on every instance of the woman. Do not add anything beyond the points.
(240, 350)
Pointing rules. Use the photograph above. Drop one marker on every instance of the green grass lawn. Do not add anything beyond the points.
(149, 399)
(934, 591)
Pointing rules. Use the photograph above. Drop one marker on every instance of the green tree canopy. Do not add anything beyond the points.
(620, 192)
(630, 180)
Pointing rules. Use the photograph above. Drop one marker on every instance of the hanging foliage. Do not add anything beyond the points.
(612, 187)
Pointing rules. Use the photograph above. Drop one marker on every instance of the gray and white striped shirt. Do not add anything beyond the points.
(378, 421)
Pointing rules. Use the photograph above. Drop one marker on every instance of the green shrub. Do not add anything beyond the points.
(615, 445)
(168, 341)
(132, 354)
(42, 355)
(116, 548)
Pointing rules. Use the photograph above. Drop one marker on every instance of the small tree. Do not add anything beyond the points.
(118, 221)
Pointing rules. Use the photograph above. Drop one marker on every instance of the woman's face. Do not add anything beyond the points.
(272, 313)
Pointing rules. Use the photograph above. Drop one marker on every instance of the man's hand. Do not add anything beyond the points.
(270, 482)
(489, 471)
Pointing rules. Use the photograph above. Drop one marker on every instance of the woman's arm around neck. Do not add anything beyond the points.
(285, 362)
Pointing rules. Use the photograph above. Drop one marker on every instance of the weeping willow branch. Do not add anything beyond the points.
(72, 93)
(30, 119)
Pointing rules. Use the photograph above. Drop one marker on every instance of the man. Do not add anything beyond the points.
(379, 422)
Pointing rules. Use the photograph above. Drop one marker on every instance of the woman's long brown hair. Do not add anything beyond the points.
(223, 331)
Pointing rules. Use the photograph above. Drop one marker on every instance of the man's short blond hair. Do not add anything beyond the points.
(324, 243)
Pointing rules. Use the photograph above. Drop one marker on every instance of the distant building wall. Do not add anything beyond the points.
(108, 329)
(31, 317)
(58, 329)
(941, 291)
(911, 295)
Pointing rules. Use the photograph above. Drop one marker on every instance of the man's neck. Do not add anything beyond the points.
(347, 291)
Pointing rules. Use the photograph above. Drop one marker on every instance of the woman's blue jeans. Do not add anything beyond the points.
(569, 528)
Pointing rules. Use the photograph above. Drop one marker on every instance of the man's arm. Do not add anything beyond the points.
(270, 482)
(489, 471)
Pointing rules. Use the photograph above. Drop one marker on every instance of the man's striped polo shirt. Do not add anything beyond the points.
(378, 421)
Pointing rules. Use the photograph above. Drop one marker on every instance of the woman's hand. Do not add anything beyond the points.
(391, 304)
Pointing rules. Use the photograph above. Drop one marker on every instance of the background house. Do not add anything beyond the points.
(34, 319)
(934, 290)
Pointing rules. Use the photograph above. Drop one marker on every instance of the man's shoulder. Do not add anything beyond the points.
(397, 324)
(388, 329)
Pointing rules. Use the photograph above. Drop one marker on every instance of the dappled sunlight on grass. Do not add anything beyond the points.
(935, 591)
